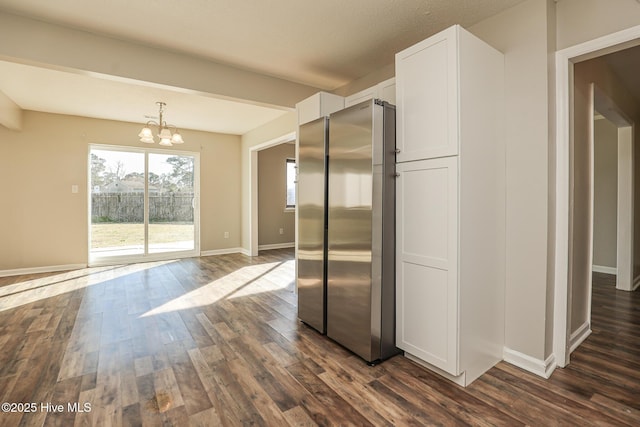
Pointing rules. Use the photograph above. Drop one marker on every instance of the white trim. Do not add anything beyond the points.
(579, 336)
(253, 187)
(591, 198)
(45, 269)
(137, 259)
(564, 75)
(225, 251)
(561, 274)
(604, 269)
(543, 368)
(276, 246)
(625, 208)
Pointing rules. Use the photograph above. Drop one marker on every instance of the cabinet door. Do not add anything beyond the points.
(427, 259)
(427, 98)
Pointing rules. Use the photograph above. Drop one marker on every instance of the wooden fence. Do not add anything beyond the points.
(129, 207)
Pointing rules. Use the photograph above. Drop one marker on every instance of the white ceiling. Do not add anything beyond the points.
(60, 92)
(324, 44)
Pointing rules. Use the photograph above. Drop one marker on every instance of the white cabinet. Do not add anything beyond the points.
(385, 91)
(426, 98)
(450, 204)
(427, 268)
(319, 105)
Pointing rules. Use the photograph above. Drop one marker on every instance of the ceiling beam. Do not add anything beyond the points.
(10, 113)
(44, 44)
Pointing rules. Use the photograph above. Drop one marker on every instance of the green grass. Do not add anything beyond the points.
(107, 235)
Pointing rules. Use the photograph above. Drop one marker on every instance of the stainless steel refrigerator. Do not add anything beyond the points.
(346, 228)
(360, 297)
(312, 223)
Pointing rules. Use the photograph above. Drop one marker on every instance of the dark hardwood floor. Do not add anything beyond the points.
(215, 341)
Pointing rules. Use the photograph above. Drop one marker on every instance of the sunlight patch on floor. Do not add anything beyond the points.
(246, 281)
(30, 291)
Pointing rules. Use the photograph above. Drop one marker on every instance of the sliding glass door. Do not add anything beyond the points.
(171, 203)
(143, 204)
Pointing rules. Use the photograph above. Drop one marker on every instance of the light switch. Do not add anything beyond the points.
(74, 188)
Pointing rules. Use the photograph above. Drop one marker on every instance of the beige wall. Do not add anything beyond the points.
(605, 193)
(583, 20)
(272, 193)
(43, 224)
(283, 125)
(521, 33)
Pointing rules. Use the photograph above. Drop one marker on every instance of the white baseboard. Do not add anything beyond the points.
(604, 269)
(276, 246)
(36, 270)
(579, 335)
(224, 251)
(543, 368)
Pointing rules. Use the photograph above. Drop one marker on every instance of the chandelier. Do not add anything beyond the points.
(168, 134)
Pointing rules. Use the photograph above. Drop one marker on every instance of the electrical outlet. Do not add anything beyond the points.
(226, 234)
(282, 231)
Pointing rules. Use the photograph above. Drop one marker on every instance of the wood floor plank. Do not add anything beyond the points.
(264, 403)
(298, 417)
(216, 341)
(374, 412)
(342, 412)
(205, 418)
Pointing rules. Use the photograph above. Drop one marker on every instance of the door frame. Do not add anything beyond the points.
(92, 261)
(565, 60)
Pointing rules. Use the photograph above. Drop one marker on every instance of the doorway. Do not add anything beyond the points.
(143, 204)
(574, 178)
(253, 188)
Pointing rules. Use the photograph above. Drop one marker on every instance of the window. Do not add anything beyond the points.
(291, 184)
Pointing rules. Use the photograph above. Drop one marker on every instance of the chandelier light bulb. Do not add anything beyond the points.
(177, 138)
(167, 138)
(164, 134)
(145, 134)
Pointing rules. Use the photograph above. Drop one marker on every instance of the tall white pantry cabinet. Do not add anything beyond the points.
(450, 248)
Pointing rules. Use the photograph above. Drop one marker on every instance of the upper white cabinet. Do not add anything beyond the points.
(440, 86)
(450, 204)
(319, 105)
(427, 98)
(385, 91)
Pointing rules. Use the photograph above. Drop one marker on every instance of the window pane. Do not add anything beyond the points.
(291, 183)
(117, 203)
(171, 204)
